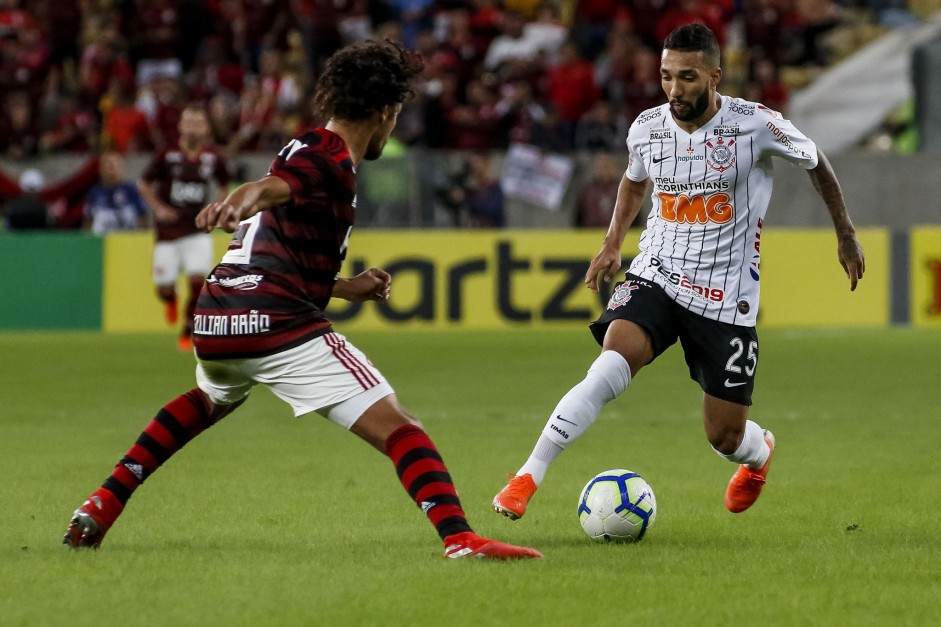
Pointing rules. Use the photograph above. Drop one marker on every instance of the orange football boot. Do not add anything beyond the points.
(745, 485)
(513, 498)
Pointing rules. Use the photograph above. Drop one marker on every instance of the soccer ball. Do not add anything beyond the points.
(617, 506)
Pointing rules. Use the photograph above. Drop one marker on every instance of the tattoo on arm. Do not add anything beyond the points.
(825, 182)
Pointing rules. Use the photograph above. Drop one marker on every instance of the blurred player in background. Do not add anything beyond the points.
(696, 277)
(176, 184)
(260, 316)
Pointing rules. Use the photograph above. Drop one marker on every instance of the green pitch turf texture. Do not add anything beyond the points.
(271, 520)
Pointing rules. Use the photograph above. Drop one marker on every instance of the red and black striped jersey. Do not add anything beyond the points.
(184, 183)
(270, 290)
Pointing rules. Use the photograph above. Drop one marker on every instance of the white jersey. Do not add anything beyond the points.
(711, 190)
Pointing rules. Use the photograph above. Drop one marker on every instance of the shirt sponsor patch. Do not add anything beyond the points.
(244, 282)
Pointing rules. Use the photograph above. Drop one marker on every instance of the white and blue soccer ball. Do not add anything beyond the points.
(617, 506)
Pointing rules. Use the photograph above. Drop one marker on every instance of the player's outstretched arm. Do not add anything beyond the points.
(374, 284)
(607, 262)
(849, 251)
(247, 200)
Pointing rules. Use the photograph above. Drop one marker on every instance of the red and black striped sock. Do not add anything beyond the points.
(178, 422)
(426, 479)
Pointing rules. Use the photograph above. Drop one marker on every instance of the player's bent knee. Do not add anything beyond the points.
(381, 420)
(631, 341)
(217, 412)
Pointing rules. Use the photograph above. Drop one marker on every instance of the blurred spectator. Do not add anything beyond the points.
(485, 19)
(281, 89)
(766, 29)
(223, 120)
(217, 69)
(646, 15)
(155, 38)
(518, 109)
(355, 23)
(642, 90)
(766, 87)
(114, 204)
(19, 136)
(414, 16)
(28, 211)
(471, 125)
(615, 65)
(547, 32)
(511, 46)
(461, 51)
(163, 104)
(593, 23)
(595, 201)
(60, 18)
(266, 23)
(256, 112)
(483, 196)
(24, 51)
(551, 132)
(125, 127)
(410, 129)
(66, 198)
(818, 17)
(441, 98)
(103, 61)
(570, 84)
(317, 21)
(472, 196)
(598, 129)
(74, 130)
(693, 12)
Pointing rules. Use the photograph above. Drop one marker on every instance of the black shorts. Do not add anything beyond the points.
(722, 357)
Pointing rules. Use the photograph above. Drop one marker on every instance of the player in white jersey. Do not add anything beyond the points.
(708, 157)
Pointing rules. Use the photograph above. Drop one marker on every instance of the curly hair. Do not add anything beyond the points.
(364, 78)
(694, 38)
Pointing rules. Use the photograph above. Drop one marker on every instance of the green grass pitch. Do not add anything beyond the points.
(270, 520)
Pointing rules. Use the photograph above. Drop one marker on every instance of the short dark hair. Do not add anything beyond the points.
(694, 38)
(365, 78)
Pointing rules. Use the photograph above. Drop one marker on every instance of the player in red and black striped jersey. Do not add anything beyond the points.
(267, 269)
(177, 184)
(260, 316)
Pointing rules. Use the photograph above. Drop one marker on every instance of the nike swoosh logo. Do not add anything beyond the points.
(655, 160)
(729, 384)
(564, 420)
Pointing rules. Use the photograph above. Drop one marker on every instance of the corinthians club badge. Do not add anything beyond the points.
(721, 157)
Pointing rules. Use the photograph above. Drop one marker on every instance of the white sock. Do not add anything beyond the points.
(753, 451)
(607, 377)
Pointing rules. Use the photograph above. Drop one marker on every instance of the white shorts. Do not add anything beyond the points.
(327, 375)
(191, 254)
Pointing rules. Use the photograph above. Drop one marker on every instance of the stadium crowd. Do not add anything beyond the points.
(83, 76)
